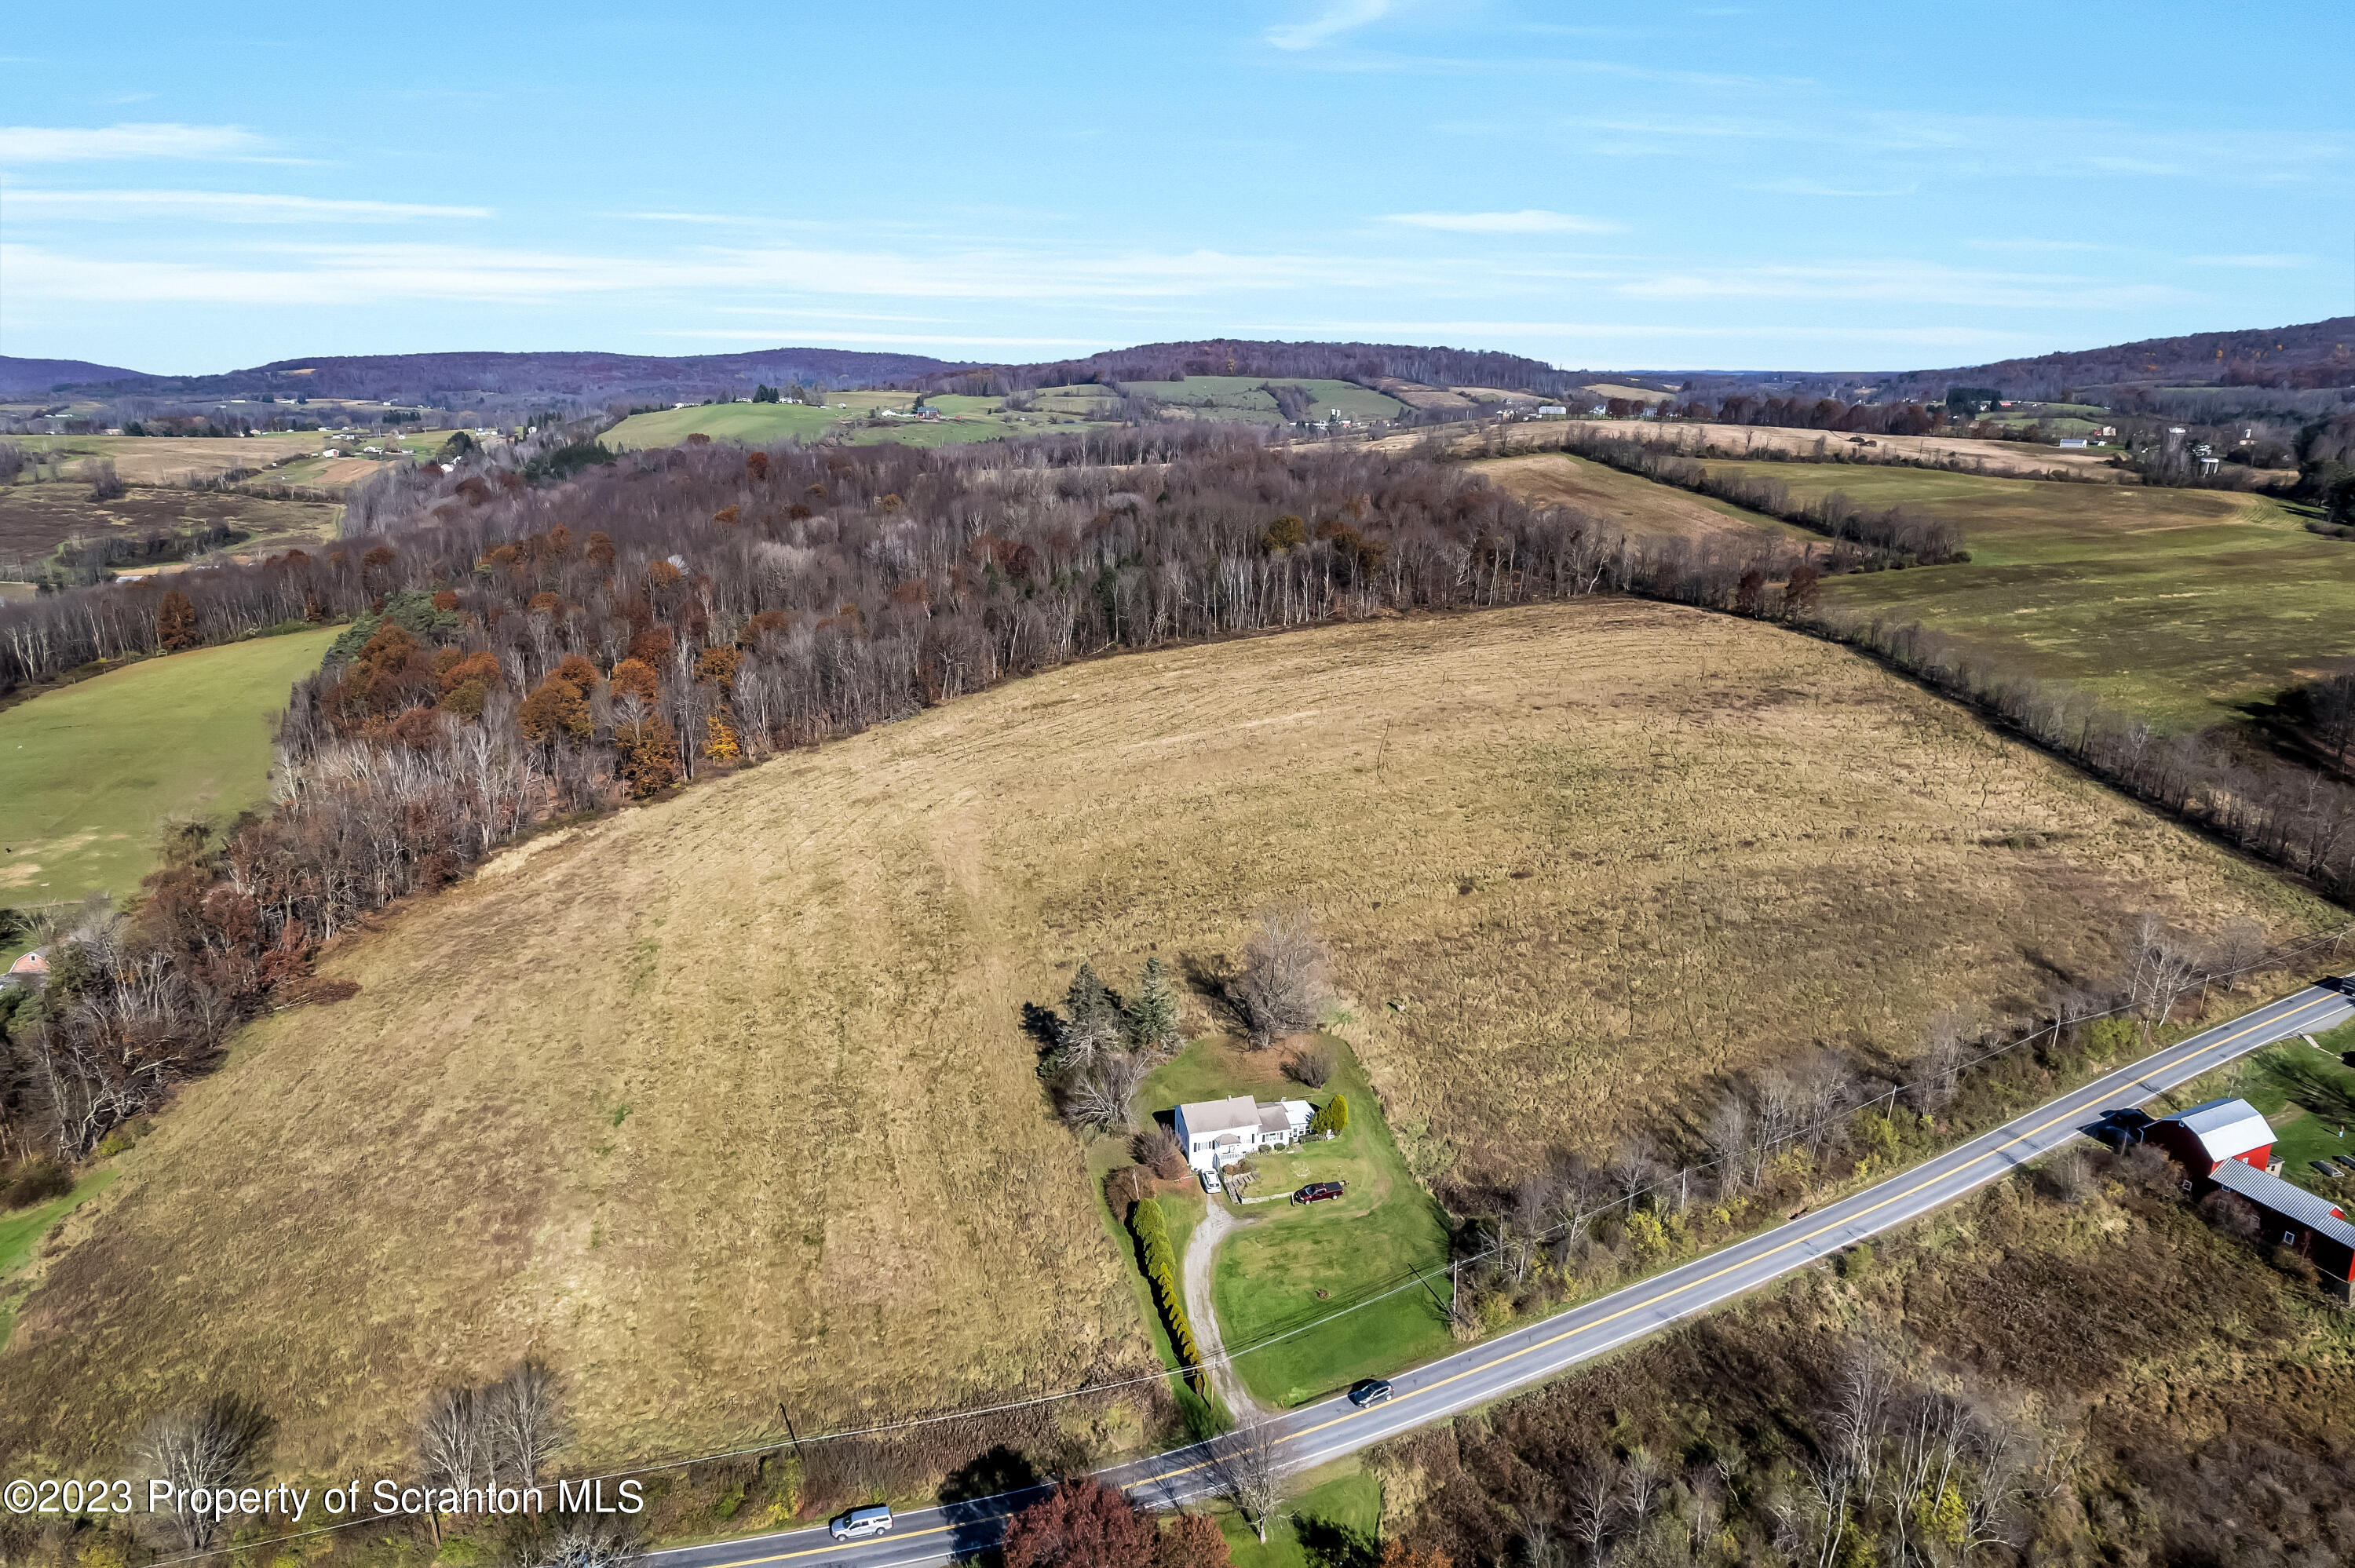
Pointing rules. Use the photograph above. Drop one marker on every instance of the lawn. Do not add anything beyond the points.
(2308, 1095)
(89, 773)
(1334, 1520)
(1289, 1266)
(2176, 605)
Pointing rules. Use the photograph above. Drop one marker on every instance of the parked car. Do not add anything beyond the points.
(1370, 1391)
(859, 1523)
(2122, 1130)
(1318, 1192)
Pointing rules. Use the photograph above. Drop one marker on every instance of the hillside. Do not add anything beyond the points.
(727, 1101)
(2309, 354)
(35, 376)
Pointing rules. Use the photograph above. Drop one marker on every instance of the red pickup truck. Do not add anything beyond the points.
(1317, 1192)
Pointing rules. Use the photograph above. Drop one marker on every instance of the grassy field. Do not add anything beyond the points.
(21, 1230)
(1246, 397)
(727, 1101)
(36, 518)
(1333, 1518)
(153, 460)
(2175, 604)
(1636, 506)
(845, 417)
(2308, 1095)
(90, 774)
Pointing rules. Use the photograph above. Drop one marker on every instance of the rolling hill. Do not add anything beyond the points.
(726, 1102)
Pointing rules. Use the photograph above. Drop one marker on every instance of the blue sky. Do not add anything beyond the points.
(1806, 187)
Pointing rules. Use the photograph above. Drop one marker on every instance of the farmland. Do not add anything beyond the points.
(37, 517)
(730, 1099)
(90, 774)
(856, 417)
(2177, 605)
(1636, 506)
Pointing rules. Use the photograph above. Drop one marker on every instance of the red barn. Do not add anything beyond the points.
(2204, 1137)
(2225, 1143)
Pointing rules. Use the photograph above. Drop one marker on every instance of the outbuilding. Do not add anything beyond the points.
(2227, 1144)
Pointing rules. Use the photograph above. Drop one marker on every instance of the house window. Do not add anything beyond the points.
(2289, 1238)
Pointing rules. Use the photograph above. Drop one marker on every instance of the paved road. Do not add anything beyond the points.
(1316, 1433)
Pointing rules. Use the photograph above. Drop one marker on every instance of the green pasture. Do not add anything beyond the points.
(1287, 1266)
(855, 417)
(2308, 1095)
(24, 1227)
(2177, 605)
(89, 773)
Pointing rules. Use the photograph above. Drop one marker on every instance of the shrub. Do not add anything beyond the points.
(1334, 1117)
(1159, 1150)
(1311, 1065)
(36, 1182)
(1283, 987)
(1146, 1222)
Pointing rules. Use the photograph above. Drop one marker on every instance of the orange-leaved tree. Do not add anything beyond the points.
(636, 678)
(649, 752)
(176, 622)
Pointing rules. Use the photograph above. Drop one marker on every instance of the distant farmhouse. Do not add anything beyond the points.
(1216, 1133)
(2226, 1144)
(29, 971)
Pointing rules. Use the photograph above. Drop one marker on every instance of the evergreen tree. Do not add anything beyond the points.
(1092, 1022)
(1153, 1013)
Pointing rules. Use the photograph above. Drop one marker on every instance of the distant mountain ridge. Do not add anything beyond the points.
(19, 378)
(2308, 355)
(398, 377)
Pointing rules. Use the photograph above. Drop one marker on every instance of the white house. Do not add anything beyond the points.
(1215, 1133)
(1551, 411)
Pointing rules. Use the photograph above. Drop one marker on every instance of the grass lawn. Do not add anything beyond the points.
(843, 417)
(88, 774)
(1289, 1266)
(21, 1228)
(1335, 1521)
(2177, 605)
(2310, 1098)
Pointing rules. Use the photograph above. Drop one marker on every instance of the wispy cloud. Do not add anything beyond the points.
(1337, 17)
(1819, 188)
(1528, 220)
(781, 336)
(69, 144)
(2274, 260)
(222, 207)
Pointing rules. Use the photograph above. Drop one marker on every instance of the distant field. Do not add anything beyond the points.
(1246, 397)
(152, 460)
(34, 518)
(88, 774)
(1639, 508)
(844, 418)
(2000, 457)
(2177, 604)
(728, 1099)
(1631, 394)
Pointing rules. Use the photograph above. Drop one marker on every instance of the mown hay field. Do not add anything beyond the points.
(36, 518)
(1630, 504)
(726, 1102)
(2177, 604)
(90, 773)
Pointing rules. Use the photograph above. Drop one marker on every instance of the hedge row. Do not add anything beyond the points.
(1152, 1232)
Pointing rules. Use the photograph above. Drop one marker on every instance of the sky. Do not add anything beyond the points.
(1817, 186)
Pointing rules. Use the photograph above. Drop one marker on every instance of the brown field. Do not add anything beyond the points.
(725, 1102)
(2007, 459)
(154, 460)
(36, 518)
(1637, 506)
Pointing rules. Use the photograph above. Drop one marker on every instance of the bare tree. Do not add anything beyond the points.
(1643, 1482)
(2238, 945)
(1250, 1473)
(585, 1546)
(1729, 1141)
(526, 1419)
(218, 1443)
(1937, 1069)
(1098, 1094)
(1311, 1065)
(1286, 980)
(454, 1440)
(2069, 1176)
(1538, 1547)
(1594, 1504)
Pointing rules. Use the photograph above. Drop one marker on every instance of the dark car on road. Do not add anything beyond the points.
(1318, 1192)
(1370, 1391)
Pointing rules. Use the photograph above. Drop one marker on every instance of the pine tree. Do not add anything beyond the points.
(1092, 1020)
(1153, 1013)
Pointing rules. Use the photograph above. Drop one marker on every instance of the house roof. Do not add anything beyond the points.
(1273, 1119)
(1237, 1114)
(36, 962)
(2296, 1203)
(2225, 1128)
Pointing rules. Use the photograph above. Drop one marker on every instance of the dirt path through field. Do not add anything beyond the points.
(1201, 1255)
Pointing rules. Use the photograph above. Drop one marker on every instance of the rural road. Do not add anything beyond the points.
(1314, 1434)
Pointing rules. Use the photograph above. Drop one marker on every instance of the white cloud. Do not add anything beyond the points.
(222, 207)
(1530, 220)
(67, 145)
(1338, 17)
